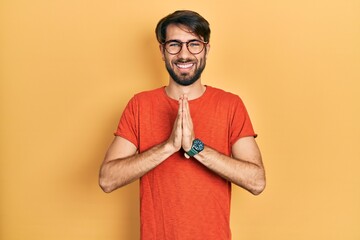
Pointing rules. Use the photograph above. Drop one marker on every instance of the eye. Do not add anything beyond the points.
(195, 44)
(174, 44)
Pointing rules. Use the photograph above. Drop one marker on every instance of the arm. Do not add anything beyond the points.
(244, 168)
(123, 165)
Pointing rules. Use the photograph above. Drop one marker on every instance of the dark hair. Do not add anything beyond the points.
(194, 21)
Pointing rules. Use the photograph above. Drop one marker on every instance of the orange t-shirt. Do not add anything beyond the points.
(181, 199)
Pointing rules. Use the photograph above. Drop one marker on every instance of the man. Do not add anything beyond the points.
(187, 142)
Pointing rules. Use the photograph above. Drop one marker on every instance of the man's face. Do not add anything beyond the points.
(184, 67)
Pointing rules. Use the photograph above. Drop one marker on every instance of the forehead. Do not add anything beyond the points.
(180, 32)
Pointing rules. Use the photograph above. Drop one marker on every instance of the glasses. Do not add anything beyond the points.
(194, 46)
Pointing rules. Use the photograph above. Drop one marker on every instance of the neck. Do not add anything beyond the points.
(193, 91)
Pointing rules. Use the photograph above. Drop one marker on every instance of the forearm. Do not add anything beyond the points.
(245, 174)
(119, 172)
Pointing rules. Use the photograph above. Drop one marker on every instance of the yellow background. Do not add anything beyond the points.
(69, 67)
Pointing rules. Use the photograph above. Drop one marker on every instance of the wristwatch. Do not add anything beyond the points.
(197, 146)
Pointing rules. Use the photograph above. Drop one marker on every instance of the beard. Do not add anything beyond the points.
(185, 79)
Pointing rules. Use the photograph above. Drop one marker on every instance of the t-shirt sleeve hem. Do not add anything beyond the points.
(245, 135)
(116, 134)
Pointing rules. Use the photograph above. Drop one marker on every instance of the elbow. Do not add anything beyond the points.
(259, 187)
(259, 183)
(108, 184)
(106, 189)
(105, 186)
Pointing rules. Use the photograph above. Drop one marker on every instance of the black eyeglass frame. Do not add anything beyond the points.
(187, 45)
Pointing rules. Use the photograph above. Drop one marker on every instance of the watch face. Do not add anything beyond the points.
(198, 145)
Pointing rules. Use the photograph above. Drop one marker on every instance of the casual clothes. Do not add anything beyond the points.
(181, 199)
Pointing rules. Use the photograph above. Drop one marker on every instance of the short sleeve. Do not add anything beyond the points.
(241, 125)
(128, 124)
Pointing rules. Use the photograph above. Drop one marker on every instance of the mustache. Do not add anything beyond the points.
(184, 60)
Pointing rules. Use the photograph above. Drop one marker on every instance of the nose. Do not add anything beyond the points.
(184, 52)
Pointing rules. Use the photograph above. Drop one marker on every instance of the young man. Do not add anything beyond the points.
(187, 142)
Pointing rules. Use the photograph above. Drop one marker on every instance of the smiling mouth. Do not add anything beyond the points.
(184, 65)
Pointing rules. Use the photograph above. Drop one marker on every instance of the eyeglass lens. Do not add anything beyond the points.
(174, 47)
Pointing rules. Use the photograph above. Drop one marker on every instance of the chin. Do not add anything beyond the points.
(185, 82)
(185, 79)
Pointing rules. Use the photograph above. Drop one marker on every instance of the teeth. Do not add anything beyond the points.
(185, 65)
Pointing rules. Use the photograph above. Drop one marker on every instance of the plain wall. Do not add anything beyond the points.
(68, 69)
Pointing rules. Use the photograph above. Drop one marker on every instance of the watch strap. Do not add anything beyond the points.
(192, 152)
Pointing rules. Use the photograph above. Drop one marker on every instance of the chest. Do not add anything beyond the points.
(210, 121)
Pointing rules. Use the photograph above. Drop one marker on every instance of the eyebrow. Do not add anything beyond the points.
(177, 40)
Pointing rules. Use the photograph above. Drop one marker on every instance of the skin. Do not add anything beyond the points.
(123, 164)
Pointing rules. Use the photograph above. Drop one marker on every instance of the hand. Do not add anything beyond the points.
(175, 138)
(182, 134)
(187, 126)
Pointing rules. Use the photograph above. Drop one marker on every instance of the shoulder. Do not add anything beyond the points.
(222, 95)
(146, 97)
(149, 93)
(226, 100)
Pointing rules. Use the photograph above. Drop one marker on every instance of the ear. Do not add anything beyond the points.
(207, 50)
(162, 50)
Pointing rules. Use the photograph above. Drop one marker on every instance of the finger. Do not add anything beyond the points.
(187, 131)
(185, 109)
(187, 121)
(180, 107)
(176, 134)
(186, 105)
(179, 118)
